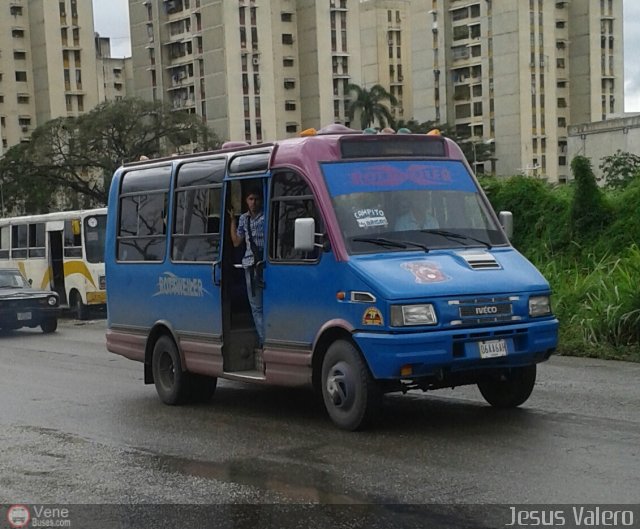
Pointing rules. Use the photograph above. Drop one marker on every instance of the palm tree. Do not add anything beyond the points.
(369, 104)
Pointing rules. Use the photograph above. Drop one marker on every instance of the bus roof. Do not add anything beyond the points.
(335, 142)
(58, 215)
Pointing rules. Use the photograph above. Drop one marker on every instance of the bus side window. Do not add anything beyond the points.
(4, 242)
(291, 199)
(19, 241)
(143, 214)
(37, 240)
(72, 239)
(198, 196)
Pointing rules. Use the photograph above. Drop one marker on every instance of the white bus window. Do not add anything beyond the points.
(94, 237)
(36, 240)
(4, 242)
(72, 238)
(19, 241)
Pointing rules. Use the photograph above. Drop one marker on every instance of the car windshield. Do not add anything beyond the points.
(387, 206)
(95, 228)
(12, 279)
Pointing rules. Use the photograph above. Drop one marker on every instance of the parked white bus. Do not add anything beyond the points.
(63, 252)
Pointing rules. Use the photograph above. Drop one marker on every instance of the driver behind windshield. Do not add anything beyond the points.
(415, 216)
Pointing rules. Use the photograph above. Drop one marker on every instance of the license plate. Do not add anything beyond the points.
(493, 348)
(24, 316)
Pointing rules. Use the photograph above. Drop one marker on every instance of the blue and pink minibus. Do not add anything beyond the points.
(384, 269)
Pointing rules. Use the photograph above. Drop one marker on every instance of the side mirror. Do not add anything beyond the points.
(506, 220)
(304, 234)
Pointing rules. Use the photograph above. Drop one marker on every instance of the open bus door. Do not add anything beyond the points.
(55, 230)
(239, 332)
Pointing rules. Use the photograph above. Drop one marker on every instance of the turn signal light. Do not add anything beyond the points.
(406, 371)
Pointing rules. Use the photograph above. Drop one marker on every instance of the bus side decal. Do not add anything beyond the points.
(70, 267)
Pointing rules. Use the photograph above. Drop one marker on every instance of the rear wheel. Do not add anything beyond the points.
(50, 325)
(80, 310)
(170, 380)
(351, 396)
(509, 388)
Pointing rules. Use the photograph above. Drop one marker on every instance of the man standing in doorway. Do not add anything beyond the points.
(250, 229)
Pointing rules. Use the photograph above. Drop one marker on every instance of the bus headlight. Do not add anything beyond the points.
(403, 315)
(52, 301)
(539, 306)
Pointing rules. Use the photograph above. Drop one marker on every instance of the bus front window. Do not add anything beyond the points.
(94, 237)
(399, 205)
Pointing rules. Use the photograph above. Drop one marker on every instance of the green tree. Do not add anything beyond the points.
(619, 169)
(589, 212)
(77, 156)
(370, 105)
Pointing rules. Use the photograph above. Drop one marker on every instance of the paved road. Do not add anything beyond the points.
(78, 425)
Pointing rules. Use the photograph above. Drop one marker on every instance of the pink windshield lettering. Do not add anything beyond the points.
(391, 176)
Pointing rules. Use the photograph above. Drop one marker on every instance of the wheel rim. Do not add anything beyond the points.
(340, 386)
(167, 370)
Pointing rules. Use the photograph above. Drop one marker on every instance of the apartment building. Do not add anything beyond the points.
(253, 70)
(114, 75)
(47, 64)
(515, 74)
(385, 40)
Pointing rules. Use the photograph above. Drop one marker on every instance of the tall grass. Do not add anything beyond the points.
(594, 272)
(597, 300)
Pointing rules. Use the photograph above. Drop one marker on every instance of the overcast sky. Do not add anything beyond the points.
(112, 20)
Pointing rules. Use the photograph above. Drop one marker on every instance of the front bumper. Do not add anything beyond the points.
(27, 316)
(98, 297)
(428, 353)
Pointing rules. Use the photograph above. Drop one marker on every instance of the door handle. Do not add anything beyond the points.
(214, 273)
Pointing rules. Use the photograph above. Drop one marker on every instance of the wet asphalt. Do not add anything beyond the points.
(78, 426)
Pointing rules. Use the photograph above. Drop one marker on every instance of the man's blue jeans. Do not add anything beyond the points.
(255, 301)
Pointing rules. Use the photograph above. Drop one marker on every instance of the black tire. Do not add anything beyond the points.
(80, 310)
(351, 396)
(201, 387)
(509, 388)
(49, 325)
(170, 380)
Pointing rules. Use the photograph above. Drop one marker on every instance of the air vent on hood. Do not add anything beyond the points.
(480, 260)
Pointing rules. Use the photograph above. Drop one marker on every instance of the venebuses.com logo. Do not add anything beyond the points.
(18, 516)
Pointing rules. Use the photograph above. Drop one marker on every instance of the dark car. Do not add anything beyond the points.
(23, 306)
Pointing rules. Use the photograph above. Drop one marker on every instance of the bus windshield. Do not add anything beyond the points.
(94, 236)
(386, 206)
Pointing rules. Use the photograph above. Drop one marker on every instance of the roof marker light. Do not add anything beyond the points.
(308, 132)
(434, 132)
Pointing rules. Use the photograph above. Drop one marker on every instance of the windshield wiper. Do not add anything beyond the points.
(381, 241)
(454, 235)
(388, 242)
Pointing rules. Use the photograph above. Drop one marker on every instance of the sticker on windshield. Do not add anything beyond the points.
(368, 217)
(425, 271)
(372, 316)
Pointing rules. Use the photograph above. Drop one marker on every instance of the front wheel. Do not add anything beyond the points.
(169, 378)
(351, 395)
(510, 388)
(50, 325)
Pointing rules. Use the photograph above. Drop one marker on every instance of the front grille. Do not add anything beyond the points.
(483, 310)
(23, 304)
